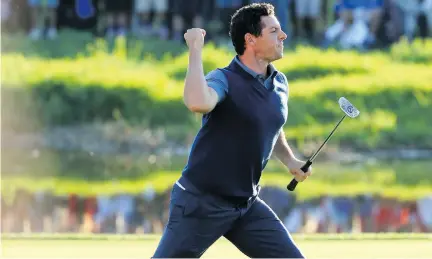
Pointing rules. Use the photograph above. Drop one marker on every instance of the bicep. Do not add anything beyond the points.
(214, 97)
(218, 85)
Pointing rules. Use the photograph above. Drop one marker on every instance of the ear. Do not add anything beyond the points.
(249, 39)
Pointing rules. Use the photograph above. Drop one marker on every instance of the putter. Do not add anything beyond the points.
(349, 111)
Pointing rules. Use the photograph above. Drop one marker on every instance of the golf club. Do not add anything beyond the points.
(349, 111)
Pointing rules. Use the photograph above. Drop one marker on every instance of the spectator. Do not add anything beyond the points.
(342, 214)
(374, 10)
(404, 221)
(40, 10)
(384, 215)
(84, 8)
(80, 15)
(186, 14)
(124, 205)
(365, 206)
(5, 9)
(325, 207)
(295, 220)
(104, 212)
(6, 12)
(308, 13)
(146, 27)
(425, 18)
(212, 24)
(427, 10)
(224, 10)
(424, 210)
(116, 13)
(413, 10)
(353, 28)
(391, 24)
(73, 201)
(90, 209)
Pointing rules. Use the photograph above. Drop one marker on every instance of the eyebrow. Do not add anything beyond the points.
(274, 27)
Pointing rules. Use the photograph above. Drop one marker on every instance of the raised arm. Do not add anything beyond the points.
(198, 96)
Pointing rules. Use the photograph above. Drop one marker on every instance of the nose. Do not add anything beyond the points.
(283, 35)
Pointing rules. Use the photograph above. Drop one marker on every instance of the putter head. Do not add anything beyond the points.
(348, 108)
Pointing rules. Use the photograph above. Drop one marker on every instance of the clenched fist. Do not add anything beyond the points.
(195, 38)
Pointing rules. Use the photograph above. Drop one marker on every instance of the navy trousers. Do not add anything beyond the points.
(197, 220)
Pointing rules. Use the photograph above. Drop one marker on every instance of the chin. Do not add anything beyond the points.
(278, 56)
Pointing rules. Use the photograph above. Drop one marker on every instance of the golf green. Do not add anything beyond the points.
(313, 246)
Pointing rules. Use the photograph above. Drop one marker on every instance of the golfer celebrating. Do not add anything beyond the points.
(244, 107)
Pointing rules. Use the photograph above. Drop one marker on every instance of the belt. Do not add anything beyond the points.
(186, 185)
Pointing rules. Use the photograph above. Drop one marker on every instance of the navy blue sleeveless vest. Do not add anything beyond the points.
(237, 137)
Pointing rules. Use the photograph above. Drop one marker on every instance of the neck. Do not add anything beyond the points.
(254, 63)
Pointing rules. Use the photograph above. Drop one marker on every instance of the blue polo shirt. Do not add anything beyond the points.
(237, 137)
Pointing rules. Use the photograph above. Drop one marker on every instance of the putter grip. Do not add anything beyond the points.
(293, 184)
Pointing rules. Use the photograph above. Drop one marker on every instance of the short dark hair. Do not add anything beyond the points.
(248, 20)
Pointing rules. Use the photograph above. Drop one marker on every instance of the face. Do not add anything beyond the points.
(269, 45)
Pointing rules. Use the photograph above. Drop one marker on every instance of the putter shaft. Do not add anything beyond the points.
(327, 139)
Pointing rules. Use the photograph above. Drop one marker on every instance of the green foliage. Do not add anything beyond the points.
(98, 88)
(417, 52)
(105, 84)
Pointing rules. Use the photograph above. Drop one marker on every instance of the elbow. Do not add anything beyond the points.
(197, 107)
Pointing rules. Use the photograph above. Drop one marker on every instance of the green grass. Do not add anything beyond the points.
(70, 44)
(137, 246)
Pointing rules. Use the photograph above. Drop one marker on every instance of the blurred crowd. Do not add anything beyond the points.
(348, 23)
(147, 212)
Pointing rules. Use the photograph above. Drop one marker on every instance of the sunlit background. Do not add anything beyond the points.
(95, 132)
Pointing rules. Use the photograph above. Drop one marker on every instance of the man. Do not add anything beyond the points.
(244, 107)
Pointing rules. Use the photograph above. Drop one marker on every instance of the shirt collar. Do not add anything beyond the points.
(272, 69)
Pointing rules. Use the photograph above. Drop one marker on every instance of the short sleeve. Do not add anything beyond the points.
(283, 79)
(287, 84)
(216, 79)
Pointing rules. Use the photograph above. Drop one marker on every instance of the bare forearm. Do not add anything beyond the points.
(198, 97)
(282, 150)
(284, 153)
